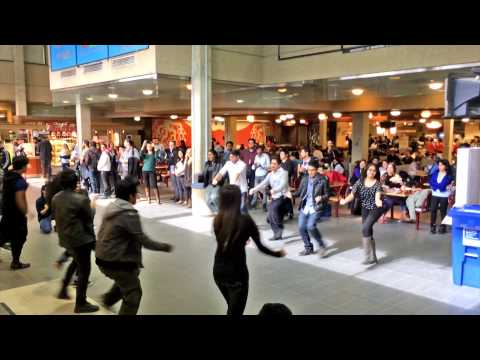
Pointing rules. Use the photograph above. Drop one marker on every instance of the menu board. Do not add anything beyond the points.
(116, 50)
(62, 56)
(90, 53)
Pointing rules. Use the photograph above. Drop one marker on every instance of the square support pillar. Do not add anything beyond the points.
(322, 133)
(20, 83)
(360, 134)
(448, 139)
(84, 122)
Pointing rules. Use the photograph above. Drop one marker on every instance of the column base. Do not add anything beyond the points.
(199, 206)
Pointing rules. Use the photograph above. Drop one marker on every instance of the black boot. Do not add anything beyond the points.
(442, 229)
(63, 294)
(433, 229)
(86, 308)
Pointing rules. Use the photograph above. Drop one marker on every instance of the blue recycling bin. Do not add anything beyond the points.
(466, 245)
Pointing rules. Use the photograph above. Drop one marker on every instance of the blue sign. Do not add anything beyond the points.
(62, 57)
(116, 50)
(90, 53)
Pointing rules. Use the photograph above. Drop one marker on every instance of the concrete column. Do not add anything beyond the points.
(322, 133)
(20, 82)
(84, 122)
(360, 133)
(201, 121)
(448, 139)
(230, 129)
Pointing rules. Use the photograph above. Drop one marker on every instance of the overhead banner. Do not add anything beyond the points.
(62, 57)
(116, 50)
(91, 53)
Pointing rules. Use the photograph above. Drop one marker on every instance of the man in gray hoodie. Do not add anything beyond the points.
(119, 248)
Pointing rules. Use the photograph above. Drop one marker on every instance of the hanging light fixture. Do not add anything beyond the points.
(189, 87)
(393, 130)
(290, 116)
(322, 116)
(465, 120)
(293, 122)
(136, 118)
(370, 115)
(302, 121)
(357, 91)
(174, 117)
(423, 121)
(250, 118)
(283, 117)
(380, 130)
(278, 121)
(426, 114)
(219, 118)
(337, 115)
(434, 124)
(395, 112)
(435, 85)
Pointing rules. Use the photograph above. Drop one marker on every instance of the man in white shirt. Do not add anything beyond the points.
(105, 166)
(237, 174)
(278, 181)
(261, 166)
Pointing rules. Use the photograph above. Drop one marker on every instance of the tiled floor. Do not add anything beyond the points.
(413, 277)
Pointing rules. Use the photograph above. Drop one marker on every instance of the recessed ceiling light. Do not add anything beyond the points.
(250, 118)
(282, 90)
(303, 121)
(283, 117)
(189, 87)
(219, 118)
(66, 102)
(465, 120)
(322, 116)
(89, 98)
(357, 91)
(240, 101)
(266, 112)
(426, 114)
(147, 92)
(290, 116)
(113, 96)
(337, 115)
(423, 121)
(395, 112)
(137, 118)
(435, 85)
(174, 117)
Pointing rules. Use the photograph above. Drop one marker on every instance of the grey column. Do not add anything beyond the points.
(20, 83)
(360, 133)
(201, 121)
(201, 105)
(84, 122)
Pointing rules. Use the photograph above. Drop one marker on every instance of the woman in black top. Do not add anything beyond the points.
(210, 170)
(232, 231)
(368, 189)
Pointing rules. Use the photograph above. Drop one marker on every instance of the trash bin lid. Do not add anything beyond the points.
(469, 210)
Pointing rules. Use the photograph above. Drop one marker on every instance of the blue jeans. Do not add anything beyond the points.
(258, 180)
(94, 177)
(307, 225)
(46, 225)
(243, 205)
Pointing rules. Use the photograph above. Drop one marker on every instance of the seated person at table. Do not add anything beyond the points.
(391, 181)
(358, 171)
(415, 199)
(338, 167)
(383, 168)
(407, 158)
(392, 157)
(333, 176)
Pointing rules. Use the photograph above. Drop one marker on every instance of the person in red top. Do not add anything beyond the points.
(455, 147)
(439, 146)
(430, 146)
(333, 176)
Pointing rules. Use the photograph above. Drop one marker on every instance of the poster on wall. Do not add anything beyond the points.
(62, 57)
(257, 131)
(90, 53)
(218, 133)
(176, 130)
(116, 50)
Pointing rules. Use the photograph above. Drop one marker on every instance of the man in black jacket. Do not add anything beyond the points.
(91, 161)
(74, 221)
(172, 158)
(119, 248)
(45, 150)
(313, 193)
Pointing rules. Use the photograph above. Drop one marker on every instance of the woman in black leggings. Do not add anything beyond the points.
(232, 231)
(440, 182)
(368, 189)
